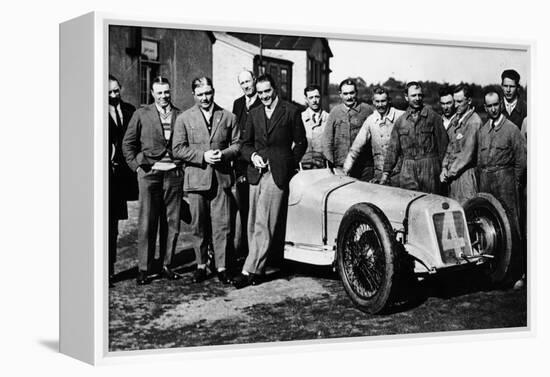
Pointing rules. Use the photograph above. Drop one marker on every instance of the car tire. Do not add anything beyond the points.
(367, 257)
(491, 233)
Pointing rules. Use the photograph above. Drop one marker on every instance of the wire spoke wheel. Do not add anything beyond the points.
(363, 262)
(366, 257)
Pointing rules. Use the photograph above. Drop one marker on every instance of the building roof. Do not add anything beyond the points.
(282, 42)
(245, 46)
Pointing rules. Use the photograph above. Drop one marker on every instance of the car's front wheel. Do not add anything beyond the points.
(492, 235)
(367, 257)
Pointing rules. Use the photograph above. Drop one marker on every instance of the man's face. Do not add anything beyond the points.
(313, 99)
(114, 93)
(266, 92)
(510, 89)
(462, 102)
(348, 94)
(492, 106)
(161, 94)
(247, 83)
(381, 103)
(415, 97)
(204, 96)
(447, 105)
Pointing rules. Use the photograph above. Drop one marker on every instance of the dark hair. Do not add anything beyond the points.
(411, 83)
(347, 82)
(266, 78)
(492, 89)
(445, 90)
(311, 88)
(201, 81)
(113, 78)
(511, 74)
(159, 80)
(381, 90)
(465, 88)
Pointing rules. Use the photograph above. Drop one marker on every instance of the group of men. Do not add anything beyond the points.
(259, 145)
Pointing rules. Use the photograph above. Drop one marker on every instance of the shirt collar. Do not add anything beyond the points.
(513, 103)
(449, 118)
(465, 116)
(250, 100)
(423, 112)
(496, 124)
(390, 115)
(273, 104)
(311, 112)
(209, 111)
(161, 110)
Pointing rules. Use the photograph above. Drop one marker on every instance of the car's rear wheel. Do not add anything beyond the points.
(366, 257)
(492, 236)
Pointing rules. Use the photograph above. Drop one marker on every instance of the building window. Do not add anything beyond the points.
(147, 71)
(148, 68)
(280, 70)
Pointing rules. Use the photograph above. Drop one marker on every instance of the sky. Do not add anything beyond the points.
(375, 62)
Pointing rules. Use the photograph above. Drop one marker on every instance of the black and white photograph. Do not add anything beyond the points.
(268, 187)
(281, 188)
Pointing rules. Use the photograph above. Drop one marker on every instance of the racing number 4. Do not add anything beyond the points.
(450, 240)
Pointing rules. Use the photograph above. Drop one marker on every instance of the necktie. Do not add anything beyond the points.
(118, 120)
(314, 118)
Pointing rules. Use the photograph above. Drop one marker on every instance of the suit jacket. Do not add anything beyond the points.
(144, 142)
(518, 114)
(240, 110)
(275, 144)
(191, 139)
(123, 185)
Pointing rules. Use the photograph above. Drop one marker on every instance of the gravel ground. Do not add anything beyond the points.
(299, 304)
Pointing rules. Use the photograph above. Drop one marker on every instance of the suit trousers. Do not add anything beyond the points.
(265, 205)
(113, 236)
(210, 215)
(160, 195)
(241, 234)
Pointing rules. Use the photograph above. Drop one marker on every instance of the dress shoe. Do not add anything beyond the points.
(199, 275)
(169, 274)
(242, 280)
(223, 277)
(142, 278)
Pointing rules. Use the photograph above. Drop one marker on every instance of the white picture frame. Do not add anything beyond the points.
(83, 228)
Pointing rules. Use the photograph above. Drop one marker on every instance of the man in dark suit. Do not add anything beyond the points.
(122, 181)
(206, 139)
(274, 142)
(147, 149)
(515, 108)
(241, 108)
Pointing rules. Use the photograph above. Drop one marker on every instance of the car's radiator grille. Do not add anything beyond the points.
(450, 229)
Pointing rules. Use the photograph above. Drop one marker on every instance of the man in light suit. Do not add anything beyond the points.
(147, 149)
(274, 142)
(206, 139)
(122, 180)
(241, 108)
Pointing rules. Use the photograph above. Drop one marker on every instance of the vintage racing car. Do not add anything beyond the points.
(374, 234)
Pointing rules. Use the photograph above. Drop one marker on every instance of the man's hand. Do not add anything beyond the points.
(384, 178)
(374, 180)
(258, 161)
(443, 177)
(212, 156)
